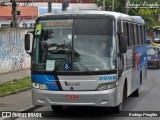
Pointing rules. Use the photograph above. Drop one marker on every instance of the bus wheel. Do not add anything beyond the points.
(56, 108)
(136, 93)
(117, 109)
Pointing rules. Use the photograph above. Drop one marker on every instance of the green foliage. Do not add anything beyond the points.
(15, 84)
(149, 15)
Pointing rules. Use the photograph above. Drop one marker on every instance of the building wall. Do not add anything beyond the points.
(26, 12)
(32, 11)
(59, 1)
(12, 53)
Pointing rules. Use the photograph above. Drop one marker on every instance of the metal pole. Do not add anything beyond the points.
(104, 5)
(14, 13)
(112, 5)
(127, 9)
(49, 6)
(65, 4)
(32, 11)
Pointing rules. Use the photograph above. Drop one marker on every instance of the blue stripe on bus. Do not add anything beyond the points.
(141, 52)
(48, 80)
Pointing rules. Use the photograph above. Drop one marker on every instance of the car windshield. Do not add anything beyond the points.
(79, 45)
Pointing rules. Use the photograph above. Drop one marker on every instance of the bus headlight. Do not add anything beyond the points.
(39, 86)
(106, 86)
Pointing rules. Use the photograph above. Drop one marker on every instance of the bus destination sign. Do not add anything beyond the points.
(59, 24)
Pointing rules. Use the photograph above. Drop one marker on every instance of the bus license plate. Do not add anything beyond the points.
(73, 97)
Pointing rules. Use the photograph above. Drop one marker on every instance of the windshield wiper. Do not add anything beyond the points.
(86, 68)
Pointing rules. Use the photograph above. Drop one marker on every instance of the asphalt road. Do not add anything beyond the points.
(149, 100)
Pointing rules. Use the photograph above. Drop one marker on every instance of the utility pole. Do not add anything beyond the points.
(14, 13)
(104, 5)
(49, 6)
(112, 5)
(127, 9)
(65, 4)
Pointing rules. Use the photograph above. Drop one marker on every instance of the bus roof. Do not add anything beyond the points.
(116, 15)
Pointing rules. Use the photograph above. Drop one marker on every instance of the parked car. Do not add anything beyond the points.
(153, 56)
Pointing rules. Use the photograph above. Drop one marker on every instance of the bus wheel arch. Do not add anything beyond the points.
(125, 89)
(118, 108)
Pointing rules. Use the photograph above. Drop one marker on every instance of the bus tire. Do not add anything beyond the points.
(136, 93)
(118, 108)
(56, 108)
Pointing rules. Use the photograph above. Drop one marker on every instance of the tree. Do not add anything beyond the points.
(150, 15)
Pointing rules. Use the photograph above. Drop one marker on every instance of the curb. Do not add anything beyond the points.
(14, 92)
(29, 109)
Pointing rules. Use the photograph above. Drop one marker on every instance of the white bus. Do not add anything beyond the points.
(87, 58)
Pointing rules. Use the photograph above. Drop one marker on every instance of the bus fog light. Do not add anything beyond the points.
(39, 86)
(107, 86)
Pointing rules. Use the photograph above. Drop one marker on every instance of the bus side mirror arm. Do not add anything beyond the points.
(122, 38)
(27, 42)
(123, 43)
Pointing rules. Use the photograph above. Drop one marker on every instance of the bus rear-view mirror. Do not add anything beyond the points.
(123, 43)
(27, 42)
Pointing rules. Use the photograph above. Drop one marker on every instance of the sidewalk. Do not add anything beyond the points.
(19, 101)
(14, 75)
(16, 102)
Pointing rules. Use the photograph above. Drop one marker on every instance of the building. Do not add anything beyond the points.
(29, 11)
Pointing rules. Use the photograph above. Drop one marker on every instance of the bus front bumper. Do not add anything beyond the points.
(78, 98)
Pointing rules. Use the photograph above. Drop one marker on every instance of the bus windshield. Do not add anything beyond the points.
(152, 51)
(156, 35)
(79, 45)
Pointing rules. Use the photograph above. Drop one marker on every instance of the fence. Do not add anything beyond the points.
(12, 53)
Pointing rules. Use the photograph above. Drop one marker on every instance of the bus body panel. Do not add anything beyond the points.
(81, 83)
(83, 98)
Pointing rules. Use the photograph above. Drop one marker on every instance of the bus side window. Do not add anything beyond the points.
(136, 35)
(143, 35)
(126, 32)
(140, 35)
(131, 35)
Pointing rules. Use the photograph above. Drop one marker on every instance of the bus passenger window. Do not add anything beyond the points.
(131, 35)
(142, 31)
(140, 35)
(135, 34)
(126, 32)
